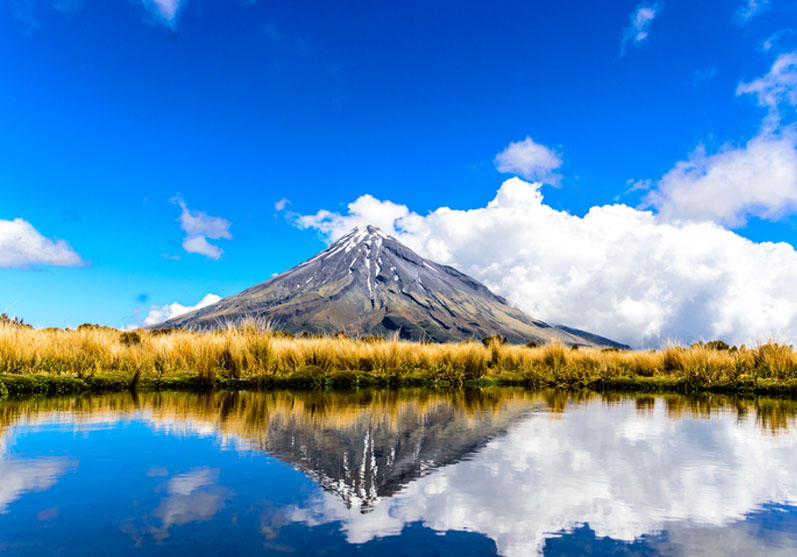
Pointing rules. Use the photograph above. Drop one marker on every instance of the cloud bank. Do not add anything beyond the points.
(159, 314)
(616, 271)
(198, 227)
(21, 245)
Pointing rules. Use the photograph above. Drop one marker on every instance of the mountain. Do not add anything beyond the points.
(368, 283)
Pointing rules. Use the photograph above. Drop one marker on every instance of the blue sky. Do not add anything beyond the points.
(116, 114)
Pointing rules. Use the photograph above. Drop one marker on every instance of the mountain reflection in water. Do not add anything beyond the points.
(499, 470)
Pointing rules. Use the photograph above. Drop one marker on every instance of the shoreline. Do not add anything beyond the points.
(28, 384)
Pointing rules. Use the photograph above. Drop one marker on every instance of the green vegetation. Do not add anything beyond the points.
(101, 359)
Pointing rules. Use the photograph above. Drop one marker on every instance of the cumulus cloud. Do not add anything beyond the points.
(198, 227)
(756, 179)
(749, 9)
(365, 210)
(200, 245)
(165, 10)
(21, 245)
(281, 204)
(530, 160)
(617, 271)
(159, 314)
(639, 23)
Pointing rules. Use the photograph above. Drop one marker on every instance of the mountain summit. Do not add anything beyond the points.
(368, 283)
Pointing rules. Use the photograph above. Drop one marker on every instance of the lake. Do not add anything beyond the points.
(498, 471)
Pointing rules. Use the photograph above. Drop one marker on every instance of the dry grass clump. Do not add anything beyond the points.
(248, 352)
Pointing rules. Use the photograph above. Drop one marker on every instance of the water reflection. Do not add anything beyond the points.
(24, 475)
(622, 475)
(545, 472)
(362, 447)
(193, 496)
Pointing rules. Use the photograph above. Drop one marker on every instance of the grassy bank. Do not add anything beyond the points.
(101, 359)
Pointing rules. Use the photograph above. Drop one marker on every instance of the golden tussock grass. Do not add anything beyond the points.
(249, 354)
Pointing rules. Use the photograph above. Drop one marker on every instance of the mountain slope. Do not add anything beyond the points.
(368, 283)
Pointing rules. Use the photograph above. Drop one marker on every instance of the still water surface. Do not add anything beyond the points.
(504, 471)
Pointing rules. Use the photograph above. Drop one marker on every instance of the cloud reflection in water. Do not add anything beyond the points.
(624, 473)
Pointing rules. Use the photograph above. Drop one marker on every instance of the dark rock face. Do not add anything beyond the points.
(368, 283)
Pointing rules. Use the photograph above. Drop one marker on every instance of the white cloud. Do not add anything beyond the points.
(553, 473)
(165, 10)
(200, 245)
(364, 211)
(530, 160)
(639, 24)
(616, 271)
(777, 89)
(198, 227)
(159, 314)
(758, 179)
(21, 245)
(749, 9)
(196, 223)
(281, 204)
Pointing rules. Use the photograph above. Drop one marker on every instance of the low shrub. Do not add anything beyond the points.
(129, 338)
